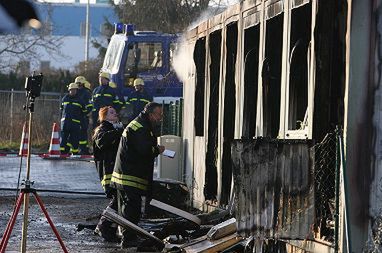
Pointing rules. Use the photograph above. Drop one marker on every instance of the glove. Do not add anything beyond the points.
(118, 125)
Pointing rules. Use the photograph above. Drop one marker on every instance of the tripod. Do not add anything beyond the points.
(24, 195)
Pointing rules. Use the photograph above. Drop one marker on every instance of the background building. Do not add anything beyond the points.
(68, 21)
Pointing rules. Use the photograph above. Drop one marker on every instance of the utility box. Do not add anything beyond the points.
(171, 167)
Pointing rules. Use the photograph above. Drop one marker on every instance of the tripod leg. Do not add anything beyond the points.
(41, 204)
(11, 223)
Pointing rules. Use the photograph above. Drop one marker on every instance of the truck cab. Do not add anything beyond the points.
(143, 54)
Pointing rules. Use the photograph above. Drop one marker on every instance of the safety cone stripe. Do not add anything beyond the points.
(54, 147)
(55, 135)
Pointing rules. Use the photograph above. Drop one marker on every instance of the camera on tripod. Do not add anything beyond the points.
(33, 85)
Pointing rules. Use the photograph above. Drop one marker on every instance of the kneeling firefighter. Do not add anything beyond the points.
(105, 145)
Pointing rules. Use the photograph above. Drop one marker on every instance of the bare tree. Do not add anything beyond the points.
(161, 15)
(28, 46)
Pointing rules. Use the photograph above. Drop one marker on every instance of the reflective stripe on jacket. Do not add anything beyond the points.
(134, 163)
(105, 146)
(72, 109)
(104, 95)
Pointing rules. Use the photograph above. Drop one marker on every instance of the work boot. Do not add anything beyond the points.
(107, 235)
(129, 242)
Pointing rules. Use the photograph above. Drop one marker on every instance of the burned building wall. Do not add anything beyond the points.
(229, 110)
(271, 75)
(251, 65)
(211, 180)
(274, 188)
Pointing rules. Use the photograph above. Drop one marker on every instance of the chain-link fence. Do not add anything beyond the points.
(326, 160)
(47, 111)
(172, 118)
(13, 115)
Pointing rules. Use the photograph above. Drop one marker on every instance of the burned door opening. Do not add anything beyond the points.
(271, 74)
(200, 65)
(210, 187)
(299, 63)
(251, 63)
(229, 111)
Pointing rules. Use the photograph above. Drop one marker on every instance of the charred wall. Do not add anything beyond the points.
(330, 67)
(229, 111)
(271, 74)
(251, 63)
(274, 188)
(200, 65)
(210, 186)
(301, 22)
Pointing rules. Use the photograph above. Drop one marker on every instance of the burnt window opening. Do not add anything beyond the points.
(299, 67)
(210, 187)
(271, 74)
(330, 53)
(251, 63)
(229, 111)
(200, 64)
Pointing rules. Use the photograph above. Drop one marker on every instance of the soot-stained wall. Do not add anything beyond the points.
(274, 188)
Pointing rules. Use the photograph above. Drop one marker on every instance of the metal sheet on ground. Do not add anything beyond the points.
(175, 210)
(212, 246)
(111, 215)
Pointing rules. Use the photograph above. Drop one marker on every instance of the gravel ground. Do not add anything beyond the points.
(65, 210)
(66, 213)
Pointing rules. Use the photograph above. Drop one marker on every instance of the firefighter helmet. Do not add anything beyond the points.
(80, 79)
(87, 85)
(138, 81)
(104, 75)
(112, 84)
(72, 86)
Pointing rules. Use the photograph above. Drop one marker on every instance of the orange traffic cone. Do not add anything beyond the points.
(24, 141)
(54, 147)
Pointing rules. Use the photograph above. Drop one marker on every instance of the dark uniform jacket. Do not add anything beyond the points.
(104, 95)
(86, 96)
(105, 146)
(134, 164)
(73, 109)
(138, 100)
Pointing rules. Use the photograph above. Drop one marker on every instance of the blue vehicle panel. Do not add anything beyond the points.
(147, 55)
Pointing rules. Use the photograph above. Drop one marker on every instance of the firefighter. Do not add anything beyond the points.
(104, 95)
(72, 112)
(86, 96)
(105, 145)
(139, 98)
(134, 165)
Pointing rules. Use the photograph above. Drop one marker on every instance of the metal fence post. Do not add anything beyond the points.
(337, 192)
(11, 134)
(161, 124)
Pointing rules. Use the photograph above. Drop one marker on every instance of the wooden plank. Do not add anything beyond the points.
(175, 210)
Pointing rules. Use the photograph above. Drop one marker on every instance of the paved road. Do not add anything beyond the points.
(51, 174)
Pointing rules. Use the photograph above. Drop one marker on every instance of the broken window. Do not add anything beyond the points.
(271, 75)
(210, 187)
(299, 60)
(229, 111)
(200, 64)
(251, 63)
